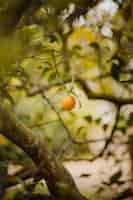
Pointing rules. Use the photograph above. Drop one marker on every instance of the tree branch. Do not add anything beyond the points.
(81, 9)
(59, 181)
(111, 98)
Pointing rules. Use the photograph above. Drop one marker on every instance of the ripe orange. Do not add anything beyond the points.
(68, 103)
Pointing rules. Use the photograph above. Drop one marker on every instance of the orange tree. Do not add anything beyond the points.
(43, 47)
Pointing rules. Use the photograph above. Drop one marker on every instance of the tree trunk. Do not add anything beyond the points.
(59, 181)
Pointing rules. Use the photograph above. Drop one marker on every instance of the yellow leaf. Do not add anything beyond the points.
(106, 86)
(3, 140)
(82, 35)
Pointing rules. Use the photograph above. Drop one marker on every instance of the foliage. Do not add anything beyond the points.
(49, 57)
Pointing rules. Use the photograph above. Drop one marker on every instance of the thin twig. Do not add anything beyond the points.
(44, 123)
(109, 140)
(67, 129)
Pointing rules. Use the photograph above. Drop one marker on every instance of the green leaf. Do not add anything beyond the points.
(105, 127)
(124, 194)
(130, 119)
(115, 177)
(94, 45)
(115, 71)
(98, 120)
(81, 130)
(130, 138)
(89, 118)
(122, 124)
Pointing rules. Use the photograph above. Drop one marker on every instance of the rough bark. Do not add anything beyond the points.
(59, 181)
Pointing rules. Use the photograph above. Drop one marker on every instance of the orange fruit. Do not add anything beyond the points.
(68, 103)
